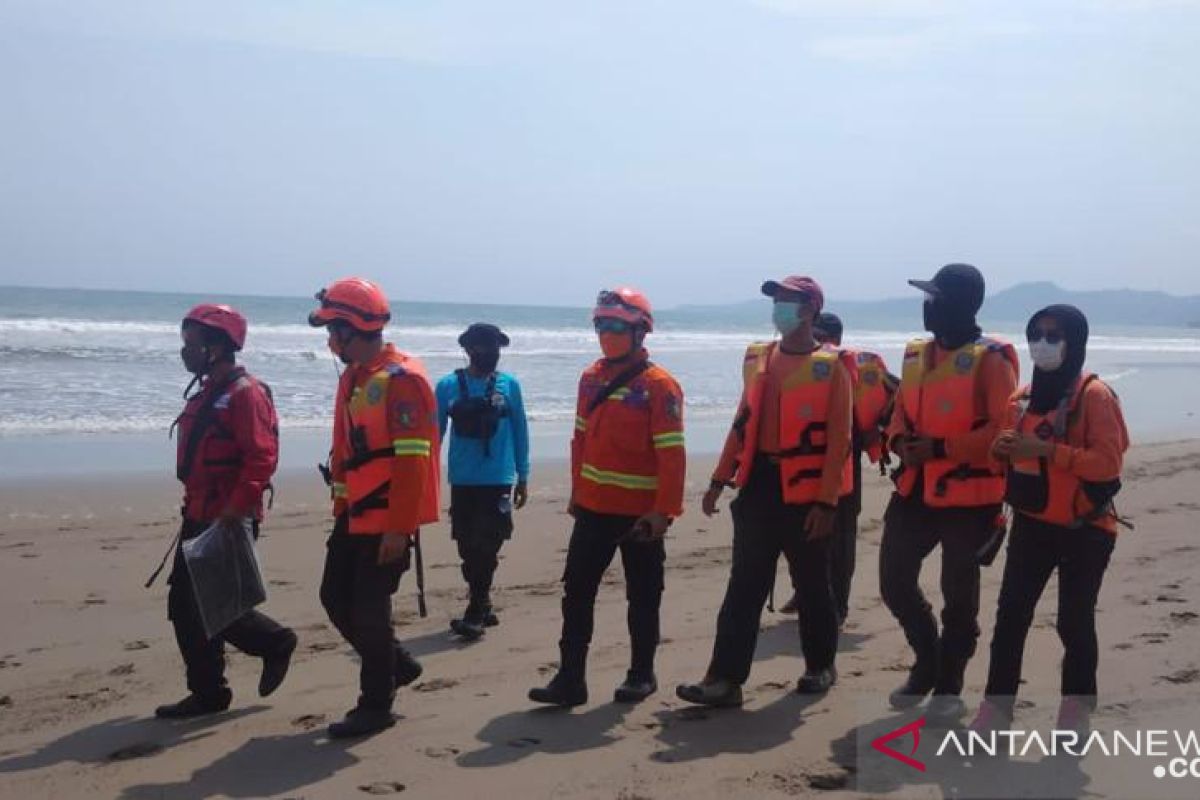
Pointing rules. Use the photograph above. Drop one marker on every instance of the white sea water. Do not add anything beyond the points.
(85, 365)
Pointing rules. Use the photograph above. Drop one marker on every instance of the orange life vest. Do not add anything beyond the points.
(939, 402)
(872, 397)
(1047, 492)
(621, 446)
(803, 412)
(365, 458)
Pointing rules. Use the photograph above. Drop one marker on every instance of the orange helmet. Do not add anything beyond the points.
(357, 301)
(626, 304)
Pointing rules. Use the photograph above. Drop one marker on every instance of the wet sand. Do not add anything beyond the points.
(86, 653)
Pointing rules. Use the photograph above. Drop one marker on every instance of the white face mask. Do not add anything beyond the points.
(1047, 357)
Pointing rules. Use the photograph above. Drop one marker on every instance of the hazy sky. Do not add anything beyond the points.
(537, 150)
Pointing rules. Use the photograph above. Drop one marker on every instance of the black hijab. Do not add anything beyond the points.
(1049, 388)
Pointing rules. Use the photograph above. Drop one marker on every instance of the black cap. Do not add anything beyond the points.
(483, 333)
(828, 325)
(956, 283)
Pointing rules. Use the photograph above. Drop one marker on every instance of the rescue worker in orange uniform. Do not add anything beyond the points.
(954, 391)
(1063, 444)
(874, 390)
(627, 477)
(384, 471)
(228, 448)
(788, 452)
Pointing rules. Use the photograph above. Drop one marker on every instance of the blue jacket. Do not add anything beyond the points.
(509, 447)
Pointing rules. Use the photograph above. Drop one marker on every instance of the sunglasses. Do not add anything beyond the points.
(612, 299)
(1049, 337)
(612, 326)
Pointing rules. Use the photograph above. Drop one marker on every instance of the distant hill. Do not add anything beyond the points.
(1015, 305)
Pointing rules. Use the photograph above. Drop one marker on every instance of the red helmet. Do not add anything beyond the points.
(626, 304)
(357, 301)
(222, 318)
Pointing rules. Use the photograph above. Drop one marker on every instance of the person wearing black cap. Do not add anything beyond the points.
(953, 399)
(489, 453)
(788, 453)
(874, 393)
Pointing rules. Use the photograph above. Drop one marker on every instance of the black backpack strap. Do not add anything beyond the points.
(205, 417)
(375, 499)
(616, 383)
(461, 374)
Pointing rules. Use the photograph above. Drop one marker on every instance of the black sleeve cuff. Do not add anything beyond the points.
(939, 448)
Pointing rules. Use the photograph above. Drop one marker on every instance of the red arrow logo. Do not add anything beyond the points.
(881, 744)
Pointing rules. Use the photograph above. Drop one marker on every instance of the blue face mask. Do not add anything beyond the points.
(786, 317)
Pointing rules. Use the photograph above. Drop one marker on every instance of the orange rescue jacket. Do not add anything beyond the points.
(627, 456)
(873, 397)
(804, 409)
(1090, 439)
(939, 401)
(385, 444)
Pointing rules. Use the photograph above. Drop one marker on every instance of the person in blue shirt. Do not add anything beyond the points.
(489, 465)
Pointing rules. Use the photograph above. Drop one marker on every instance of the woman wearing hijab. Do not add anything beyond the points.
(1062, 447)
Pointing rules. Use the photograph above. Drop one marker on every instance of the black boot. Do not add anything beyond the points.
(275, 666)
(567, 688)
(636, 688)
(195, 706)
(408, 669)
(474, 620)
(362, 722)
(817, 681)
(920, 682)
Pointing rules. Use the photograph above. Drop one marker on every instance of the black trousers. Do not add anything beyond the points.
(254, 633)
(842, 554)
(596, 538)
(911, 530)
(357, 592)
(843, 549)
(480, 522)
(1035, 550)
(763, 528)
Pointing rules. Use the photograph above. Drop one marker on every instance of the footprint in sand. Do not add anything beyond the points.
(1182, 676)
(321, 647)
(138, 750)
(279, 582)
(8, 663)
(1184, 617)
(435, 685)
(543, 669)
(123, 669)
(441, 752)
(827, 781)
(771, 685)
(309, 721)
(383, 787)
(5, 702)
(136, 644)
(1169, 598)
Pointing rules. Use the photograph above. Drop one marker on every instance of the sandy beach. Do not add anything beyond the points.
(86, 653)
